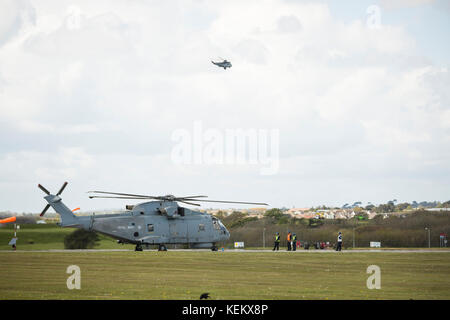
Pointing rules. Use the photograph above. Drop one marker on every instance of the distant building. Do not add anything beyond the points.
(256, 211)
(297, 211)
(340, 215)
(306, 215)
(371, 214)
(328, 215)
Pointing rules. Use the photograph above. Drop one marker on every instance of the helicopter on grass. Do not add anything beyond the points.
(152, 223)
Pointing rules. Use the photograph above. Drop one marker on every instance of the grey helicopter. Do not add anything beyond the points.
(153, 223)
(224, 64)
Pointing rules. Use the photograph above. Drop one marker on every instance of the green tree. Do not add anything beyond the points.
(314, 223)
(274, 213)
(388, 207)
(81, 239)
(402, 206)
(220, 214)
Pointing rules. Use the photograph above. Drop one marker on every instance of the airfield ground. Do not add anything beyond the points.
(37, 270)
(225, 275)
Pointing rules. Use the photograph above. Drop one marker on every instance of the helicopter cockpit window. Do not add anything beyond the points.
(150, 228)
(216, 225)
(201, 227)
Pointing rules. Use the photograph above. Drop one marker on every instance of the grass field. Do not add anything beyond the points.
(225, 275)
(47, 236)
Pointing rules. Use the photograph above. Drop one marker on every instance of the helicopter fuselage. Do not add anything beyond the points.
(224, 64)
(158, 222)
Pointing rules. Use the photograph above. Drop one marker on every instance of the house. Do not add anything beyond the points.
(371, 214)
(328, 215)
(306, 215)
(340, 215)
(297, 211)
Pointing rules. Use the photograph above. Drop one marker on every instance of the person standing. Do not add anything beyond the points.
(277, 242)
(339, 242)
(294, 242)
(289, 239)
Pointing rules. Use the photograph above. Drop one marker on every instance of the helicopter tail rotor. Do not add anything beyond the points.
(48, 193)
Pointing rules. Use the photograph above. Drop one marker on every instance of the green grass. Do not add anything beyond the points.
(47, 236)
(225, 275)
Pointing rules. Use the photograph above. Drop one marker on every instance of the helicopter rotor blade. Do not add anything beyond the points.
(125, 194)
(193, 204)
(62, 188)
(118, 197)
(43, 189)
(187, 198)
(45, 210)
(224, 201)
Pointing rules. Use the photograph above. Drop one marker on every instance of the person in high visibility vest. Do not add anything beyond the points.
(289, 239)
(294, 242)
(339, 242)
(277, 242)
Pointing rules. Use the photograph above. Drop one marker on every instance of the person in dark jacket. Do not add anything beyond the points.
(277, 242)
(339, 242)
(294, 242)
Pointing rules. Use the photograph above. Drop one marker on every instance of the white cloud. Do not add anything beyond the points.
(93, 92)
(17, 16)
(396, 4)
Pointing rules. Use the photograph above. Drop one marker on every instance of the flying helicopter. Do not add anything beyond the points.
(152, 223)
(224, 64)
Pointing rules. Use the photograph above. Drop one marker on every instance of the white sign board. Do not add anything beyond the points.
(238, 244)
(374, 244)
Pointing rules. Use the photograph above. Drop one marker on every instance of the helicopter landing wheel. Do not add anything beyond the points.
(138, 247)
(162, 247)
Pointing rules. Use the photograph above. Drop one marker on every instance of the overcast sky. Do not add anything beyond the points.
(91, 92)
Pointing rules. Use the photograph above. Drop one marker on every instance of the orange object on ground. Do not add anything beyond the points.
(10, 219)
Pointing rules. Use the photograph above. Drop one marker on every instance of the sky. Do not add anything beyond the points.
(342, 101)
